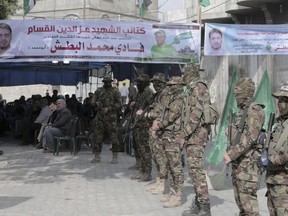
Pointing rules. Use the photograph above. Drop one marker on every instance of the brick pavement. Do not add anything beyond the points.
(33, 183)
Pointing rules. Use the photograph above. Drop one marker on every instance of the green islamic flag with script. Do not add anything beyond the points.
(217, 152)
(28, 5)
(264, 96)
(204, 3)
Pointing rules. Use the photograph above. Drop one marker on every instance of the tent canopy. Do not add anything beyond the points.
(29, 73)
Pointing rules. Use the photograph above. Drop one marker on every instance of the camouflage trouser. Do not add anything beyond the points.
(245, 194)
(173, 154)
(195, 148)
(277, 199)
(105, 127)
(159, 157)
(141, 140)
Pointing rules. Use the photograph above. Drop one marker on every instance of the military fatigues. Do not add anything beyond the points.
(157, 148)
(244, 156)
(106, 123)
(277, 176)
(169, 133)
(277, 170)
(197, 136)
(141, 132)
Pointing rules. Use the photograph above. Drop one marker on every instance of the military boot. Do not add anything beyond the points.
(97, 157)
(160, 189)
(194, 209)
(115, 158)
(174, 201)
(137, 176)
(145, 177)
(151, 187)
(168, 196)
(136, 166)
(204, 210)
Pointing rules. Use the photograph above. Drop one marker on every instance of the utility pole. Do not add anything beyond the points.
(84, 9)
(199, 12)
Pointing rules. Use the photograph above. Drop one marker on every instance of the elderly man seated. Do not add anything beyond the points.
(58, 127)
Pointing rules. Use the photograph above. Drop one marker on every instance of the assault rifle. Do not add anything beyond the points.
(269, 131)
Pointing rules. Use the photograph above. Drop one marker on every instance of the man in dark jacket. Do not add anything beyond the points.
(58, 127)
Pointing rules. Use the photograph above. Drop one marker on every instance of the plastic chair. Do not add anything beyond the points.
(70, 137)
(83, 135)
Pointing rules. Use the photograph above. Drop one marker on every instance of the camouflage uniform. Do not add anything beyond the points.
(141, 126)
(277, 173)
(196, 132)
(107, 102)
(244, 155)
(157, 150)
(170, 133)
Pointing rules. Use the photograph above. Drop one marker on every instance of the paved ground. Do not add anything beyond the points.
(34, 183)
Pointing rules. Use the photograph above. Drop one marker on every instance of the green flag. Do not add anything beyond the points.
(28, 5)
(263, 95)
(204, 3)
(143, 6)
(217, 152)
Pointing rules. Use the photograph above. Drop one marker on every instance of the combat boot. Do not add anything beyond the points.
(136, 166)
(194, 209)
(145, 177)
(115, 158)
(151, 187)
(160, 189)
(204, 210)
(168, 196)
(137, 176)
(97, 157)
(174, 201)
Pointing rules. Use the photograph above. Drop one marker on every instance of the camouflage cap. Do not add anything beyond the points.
(283, 91)
(190, 73)
(159, 77)
(107, 79)
(143, 78)
(245, 86)
(174, 80)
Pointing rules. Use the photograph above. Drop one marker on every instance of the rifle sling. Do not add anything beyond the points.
(241, 124)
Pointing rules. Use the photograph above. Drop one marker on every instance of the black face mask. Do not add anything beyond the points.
(107, 85)
(158, 86)
(141, 86)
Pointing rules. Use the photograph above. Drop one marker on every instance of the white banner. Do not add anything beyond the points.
(231, 39)
(103, 41)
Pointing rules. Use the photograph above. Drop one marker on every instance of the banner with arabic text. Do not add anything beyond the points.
(94, 40)
(231, 39)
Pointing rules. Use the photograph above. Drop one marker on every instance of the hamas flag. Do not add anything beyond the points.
(217, 152)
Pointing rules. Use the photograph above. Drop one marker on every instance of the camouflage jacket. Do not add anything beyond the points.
(172, 113)
(276, 172)
(143, 100)
(157, 104)
(107, 98)
(244, 155)
(197, 96)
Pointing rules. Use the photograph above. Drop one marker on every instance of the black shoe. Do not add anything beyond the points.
(1, 152)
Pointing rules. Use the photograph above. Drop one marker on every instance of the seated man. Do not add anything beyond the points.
(58, 127)
(30, 127)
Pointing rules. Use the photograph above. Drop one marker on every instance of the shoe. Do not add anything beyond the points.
(1, 152)
(137, 176)
(145, 177)
(39, 146)
(46, 150)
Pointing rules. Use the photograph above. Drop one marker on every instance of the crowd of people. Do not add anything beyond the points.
(172, 121)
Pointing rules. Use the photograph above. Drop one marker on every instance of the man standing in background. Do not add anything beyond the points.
(124, 93)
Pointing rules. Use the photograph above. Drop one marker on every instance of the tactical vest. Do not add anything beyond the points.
(278, 147)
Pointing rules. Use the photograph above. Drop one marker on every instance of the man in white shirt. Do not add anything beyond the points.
(124, 93)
